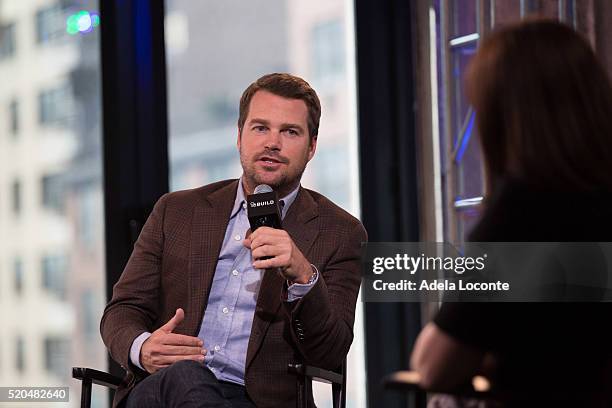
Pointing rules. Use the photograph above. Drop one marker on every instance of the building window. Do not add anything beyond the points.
(57, 351)
(328, 57)
(7, 41)
(334, 161)
(20, 354)
(54, 274)
(89, 307)
(52, 193)
(88, 217)
(13, 113)
(50, 24)
(18, 274)
(55, 106)
(16, 197)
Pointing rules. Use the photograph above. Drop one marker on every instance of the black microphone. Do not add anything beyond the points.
(263, 208)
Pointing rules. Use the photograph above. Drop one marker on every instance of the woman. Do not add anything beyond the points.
(544, 115)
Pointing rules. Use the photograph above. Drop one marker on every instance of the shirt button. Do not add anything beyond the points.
(217, 348)
(237, 237)
(235, 272)
(243, 205)
(225, 310)
(212, 369)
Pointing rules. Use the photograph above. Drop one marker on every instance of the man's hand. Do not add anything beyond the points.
(286, 256)
(164, 347)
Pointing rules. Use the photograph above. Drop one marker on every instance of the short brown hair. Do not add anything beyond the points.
(543, 107)
(287, 86)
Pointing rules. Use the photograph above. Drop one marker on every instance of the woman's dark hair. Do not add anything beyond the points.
(543, 107)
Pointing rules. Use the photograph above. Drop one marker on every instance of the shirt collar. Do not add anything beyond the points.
(240, 202)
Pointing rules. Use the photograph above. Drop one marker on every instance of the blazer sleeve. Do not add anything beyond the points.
(134, 306)
(321, 322)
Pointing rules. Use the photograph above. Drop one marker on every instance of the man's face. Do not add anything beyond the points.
(275, 145)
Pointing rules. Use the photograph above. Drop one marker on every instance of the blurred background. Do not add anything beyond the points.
(81, 81)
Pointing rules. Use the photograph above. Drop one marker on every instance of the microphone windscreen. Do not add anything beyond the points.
(262, 188)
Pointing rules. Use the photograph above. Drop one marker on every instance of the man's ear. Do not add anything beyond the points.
(238, 138)
(312, 148)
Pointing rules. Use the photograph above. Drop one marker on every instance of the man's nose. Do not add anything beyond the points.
(274, 140)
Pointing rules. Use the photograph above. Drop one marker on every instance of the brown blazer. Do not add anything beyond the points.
(173, 264)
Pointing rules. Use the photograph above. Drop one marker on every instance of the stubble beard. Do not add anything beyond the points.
(283, 184)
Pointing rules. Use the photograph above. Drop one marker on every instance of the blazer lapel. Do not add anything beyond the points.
(210, 221)
(298, 224)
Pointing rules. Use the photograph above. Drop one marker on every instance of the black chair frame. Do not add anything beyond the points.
(305, 374)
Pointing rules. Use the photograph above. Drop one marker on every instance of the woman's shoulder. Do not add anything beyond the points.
(517, 211)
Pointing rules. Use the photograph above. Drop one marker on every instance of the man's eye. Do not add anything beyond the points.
(259, 128)
(292, 132)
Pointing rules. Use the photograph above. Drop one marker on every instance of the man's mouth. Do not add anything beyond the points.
(270, 160)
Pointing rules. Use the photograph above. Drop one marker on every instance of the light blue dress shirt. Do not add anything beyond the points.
(226, 326)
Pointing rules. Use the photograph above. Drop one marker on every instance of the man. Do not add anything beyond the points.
(206, 315)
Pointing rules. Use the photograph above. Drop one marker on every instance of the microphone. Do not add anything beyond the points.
(263, 208)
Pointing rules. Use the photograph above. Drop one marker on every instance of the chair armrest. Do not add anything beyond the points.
(403, 381)
(409, 381)
(96, 377)
(316, 373)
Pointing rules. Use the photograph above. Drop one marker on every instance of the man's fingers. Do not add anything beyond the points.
(247, 242)
(267, 235)
(174, 339)
(182, 350)
(263, 230)
(176, 319)
(265, 250)
(267, 263)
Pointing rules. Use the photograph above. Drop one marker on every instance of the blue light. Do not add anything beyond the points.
(465, 139)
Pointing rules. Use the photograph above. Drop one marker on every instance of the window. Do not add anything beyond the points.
(89, 313)
(50, 24)
(55, 106)
(20, 354)
(328, 57)
(16, 197)
(13, 113)
(52, 192)
(57, 352)
(205, 81)
(461, 24)
(54, 274)
(18, 275)
(333, 160)
(7, 41)
(87, 221)
(50, 98)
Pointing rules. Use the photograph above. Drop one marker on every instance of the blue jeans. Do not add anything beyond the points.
(187, 384)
